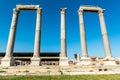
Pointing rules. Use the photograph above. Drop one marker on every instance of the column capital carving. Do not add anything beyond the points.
(39, 10)
(63, 10)
(101, 12)
(80, 11)
(15, 11)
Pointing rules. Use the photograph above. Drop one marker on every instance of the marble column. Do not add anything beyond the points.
(63, 33)
(82, 34)
(63, 54)
(36, 56)
(104, 35)
(8, 59)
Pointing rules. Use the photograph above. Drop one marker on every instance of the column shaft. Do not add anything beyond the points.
(82, 35)
(37, 34)
(63, 33)
(11, 39)
(104, 35)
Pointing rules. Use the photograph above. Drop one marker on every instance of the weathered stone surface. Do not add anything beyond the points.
(82, 35)
(35, 61)
(7, 61)
(104, 35)
(63, 61)
(109, 61)
(63, 33)
(63, 55)
(90, 8)
(102, 25)
(84, 61)
(36, 56)
(20, 6)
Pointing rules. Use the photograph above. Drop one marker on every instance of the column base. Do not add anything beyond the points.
(63, 61)
(84, 61)
(109, 61)
(35, 61)
(7, 61)
(109, 58)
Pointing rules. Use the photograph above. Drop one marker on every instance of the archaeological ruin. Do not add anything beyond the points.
(60, 58)
(85, 60)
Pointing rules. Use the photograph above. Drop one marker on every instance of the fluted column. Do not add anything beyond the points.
(63, 33)
(11, 39)
(82, 34)
(104, 34)
(37, 34)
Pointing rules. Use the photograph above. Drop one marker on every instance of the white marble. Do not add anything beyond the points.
(28, 7)
(63, 61)
(63, 55)
(82, 34)
(36, 55)
(104, 35)
(8, 59)
(35, 61)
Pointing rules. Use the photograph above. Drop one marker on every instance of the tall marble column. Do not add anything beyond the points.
(104, 35)
(35, 60)
(63, 33)
(63, 54)
(8, 59)
(82, 35)
(85, 60)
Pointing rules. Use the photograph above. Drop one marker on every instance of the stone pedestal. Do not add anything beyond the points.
(63, 61)
(7, 62)
(35, 61)
(85, 61)
(109, 61)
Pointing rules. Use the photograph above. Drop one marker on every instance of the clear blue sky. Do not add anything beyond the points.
(50, 35)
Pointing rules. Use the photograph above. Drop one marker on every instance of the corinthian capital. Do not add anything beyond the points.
(80, 11)
(63, 10)
(39, 10)
(101, 12)
(15, 11)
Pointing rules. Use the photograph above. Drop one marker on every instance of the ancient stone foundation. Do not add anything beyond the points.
(63, 61)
